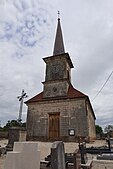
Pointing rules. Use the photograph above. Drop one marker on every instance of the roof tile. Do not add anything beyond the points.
(72, 93)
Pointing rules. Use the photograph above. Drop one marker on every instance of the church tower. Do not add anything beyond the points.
(58, 69)
(59, 112)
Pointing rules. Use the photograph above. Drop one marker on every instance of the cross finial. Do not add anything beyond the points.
(58, 14)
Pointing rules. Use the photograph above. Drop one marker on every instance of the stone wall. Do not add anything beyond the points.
(56, 88)
(3, 134)
(73, 115)
(57, 66)
(58, 76)
(91, 123)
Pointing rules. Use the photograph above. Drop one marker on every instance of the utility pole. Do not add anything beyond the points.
(21, 99)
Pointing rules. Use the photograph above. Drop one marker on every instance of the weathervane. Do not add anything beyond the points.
(21, 99)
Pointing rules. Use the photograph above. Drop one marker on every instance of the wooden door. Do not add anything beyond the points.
(54, 126)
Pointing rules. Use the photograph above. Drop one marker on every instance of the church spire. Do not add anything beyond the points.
(58, 45)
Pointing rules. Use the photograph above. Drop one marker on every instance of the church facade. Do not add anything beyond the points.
(59, 112)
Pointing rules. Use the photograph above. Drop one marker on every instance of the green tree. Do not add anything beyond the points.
(23, 124)
(13, 123)
(108, 128)
(1, 129)
(99, 129)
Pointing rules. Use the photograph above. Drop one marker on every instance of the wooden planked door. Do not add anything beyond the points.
(54, 126)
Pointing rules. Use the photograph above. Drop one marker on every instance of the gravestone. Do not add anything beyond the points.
(85, 163)
(58, 155)
(111, 142)
(82, 147)
(25, 155)
(77, 159)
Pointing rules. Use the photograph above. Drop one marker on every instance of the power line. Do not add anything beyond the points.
(102, 86)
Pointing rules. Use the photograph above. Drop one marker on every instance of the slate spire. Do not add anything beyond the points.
(59, 44)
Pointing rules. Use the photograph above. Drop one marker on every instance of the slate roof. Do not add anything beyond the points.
(59, 44)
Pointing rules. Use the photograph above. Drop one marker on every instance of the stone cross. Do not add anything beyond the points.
(21, 98)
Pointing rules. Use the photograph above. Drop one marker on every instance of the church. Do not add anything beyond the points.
(59, 112)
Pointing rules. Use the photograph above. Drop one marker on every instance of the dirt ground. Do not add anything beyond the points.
(45, 148)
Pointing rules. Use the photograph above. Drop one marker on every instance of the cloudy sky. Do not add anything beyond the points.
(27, 33)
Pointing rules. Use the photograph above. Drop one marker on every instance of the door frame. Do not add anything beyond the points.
(50, 114)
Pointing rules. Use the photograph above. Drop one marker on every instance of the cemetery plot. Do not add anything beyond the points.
(25, 155)
(59, 158)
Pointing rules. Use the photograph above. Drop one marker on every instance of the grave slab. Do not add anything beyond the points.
(24, 156)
